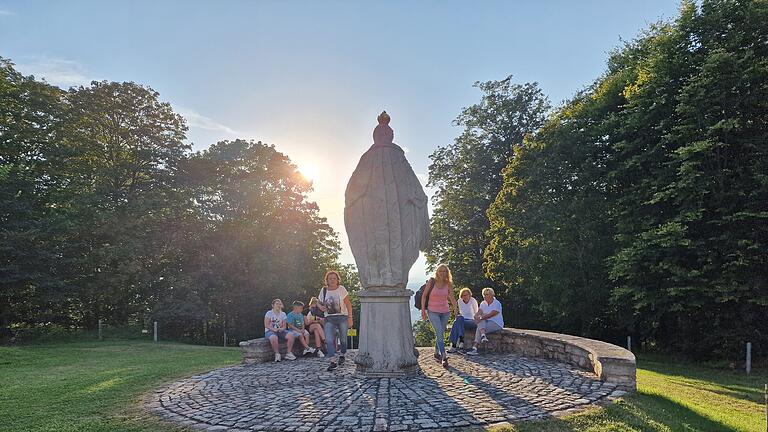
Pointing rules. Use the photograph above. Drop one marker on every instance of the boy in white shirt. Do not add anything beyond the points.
(488, 318)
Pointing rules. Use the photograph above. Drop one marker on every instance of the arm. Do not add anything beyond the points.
(268, 324)
(349, 311)
(452, 299)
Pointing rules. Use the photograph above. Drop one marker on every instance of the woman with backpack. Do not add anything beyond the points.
(435, 306)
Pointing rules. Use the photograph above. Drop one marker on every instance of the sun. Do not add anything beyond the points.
(309, 172)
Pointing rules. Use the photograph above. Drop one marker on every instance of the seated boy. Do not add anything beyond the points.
(295, 321)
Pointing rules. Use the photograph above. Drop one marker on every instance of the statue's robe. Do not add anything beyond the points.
(385, 216)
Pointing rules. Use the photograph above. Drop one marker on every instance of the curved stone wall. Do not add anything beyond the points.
(609, 362)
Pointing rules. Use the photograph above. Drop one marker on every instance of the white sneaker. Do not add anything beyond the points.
(473, 351)
(277, 357)
(452, 350)
(320, 354)
(307, 350)
(461, 345)
(483, 339)
(290, 356)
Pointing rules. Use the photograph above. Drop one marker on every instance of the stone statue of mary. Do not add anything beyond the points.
(385, 213)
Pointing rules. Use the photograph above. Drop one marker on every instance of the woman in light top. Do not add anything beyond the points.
(435, 305)
(488, 318)
(334, 301)
(465, 319)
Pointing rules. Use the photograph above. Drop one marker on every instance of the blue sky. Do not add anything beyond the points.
(311, 77)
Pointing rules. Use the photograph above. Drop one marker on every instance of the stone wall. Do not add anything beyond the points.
(609, 362)
(259, 350)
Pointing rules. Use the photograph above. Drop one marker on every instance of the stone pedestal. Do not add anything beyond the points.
(386, 334)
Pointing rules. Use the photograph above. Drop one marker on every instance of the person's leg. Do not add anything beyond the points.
(434, 321)
(469, 325)
(303, 339)
(274, 343)
(316, 330)
(480, 331)
(444, 317)
(289, 337)
(330, 338)
(343, 329)
(457, 330)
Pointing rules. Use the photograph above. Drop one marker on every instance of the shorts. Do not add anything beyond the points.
(280, 335)
(298, 333)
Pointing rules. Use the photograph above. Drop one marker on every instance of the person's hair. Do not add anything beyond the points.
(275, 301)
(449, 279)
(313, 300)
(298, 303)
(488, 290)
(330, 272)
(465, 290)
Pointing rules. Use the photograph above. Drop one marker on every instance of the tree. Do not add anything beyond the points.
(467, 173)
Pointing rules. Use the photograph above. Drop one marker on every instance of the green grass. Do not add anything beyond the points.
(93, 386)
(96, 387)
(675, 397)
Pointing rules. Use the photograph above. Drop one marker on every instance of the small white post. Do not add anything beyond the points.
(629, 343)
(225, 337)
(749, 357)
(155, 331)
(99, 329)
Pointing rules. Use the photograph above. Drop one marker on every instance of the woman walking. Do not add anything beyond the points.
(434, 304)
(334, 301)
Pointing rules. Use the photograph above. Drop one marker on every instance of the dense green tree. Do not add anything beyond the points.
(467, 174)
(640, 207)
(30, 113)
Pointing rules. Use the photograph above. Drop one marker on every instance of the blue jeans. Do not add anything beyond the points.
(439, 322)
(333, 323)
(459, 326)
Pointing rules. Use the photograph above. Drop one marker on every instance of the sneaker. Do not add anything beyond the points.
(461, 345)
(473, 352)
(290, 356)
(307, 350)
(341, 360)
(438, 357)
(277, 357)
(452, 350)
(445, 362)
(319, 353)
(332, 366)
(483, 339)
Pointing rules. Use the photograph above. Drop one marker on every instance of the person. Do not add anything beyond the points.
(488, 318)
(440, 292)
(297, 325)
(334, 301)
(465, 319)
(275, 330)
(315, 319)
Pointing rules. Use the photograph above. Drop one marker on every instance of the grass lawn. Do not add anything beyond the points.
(95, 387)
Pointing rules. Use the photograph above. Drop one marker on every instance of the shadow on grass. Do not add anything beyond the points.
(643, 412)
(725, 382)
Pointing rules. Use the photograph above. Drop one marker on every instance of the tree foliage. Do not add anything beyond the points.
(641, 205)
(107, 215)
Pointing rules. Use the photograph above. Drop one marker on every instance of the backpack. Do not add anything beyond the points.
(420, 293)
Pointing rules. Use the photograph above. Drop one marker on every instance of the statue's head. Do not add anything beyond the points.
(383, 134)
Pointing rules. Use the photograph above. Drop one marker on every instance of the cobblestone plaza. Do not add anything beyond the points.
(301, 396)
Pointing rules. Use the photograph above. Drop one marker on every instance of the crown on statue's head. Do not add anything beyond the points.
(383, 118)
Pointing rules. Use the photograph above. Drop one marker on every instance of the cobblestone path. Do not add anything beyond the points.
(301, 396)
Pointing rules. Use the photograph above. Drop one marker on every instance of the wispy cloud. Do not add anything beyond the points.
(6, 12)
(56, 71)
(197, 120)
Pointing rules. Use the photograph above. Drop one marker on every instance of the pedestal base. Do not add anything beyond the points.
(386, 334)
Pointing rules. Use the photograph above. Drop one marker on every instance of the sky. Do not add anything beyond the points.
(311, 77)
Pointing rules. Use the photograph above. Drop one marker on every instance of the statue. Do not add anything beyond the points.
(385, 213)
(387, 225)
